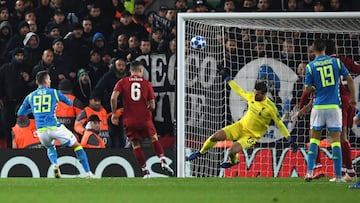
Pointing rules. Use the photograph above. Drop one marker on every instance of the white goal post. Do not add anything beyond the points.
(255, 46)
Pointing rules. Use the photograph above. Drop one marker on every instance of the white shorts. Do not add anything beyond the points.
(329, 118)
(64, 136)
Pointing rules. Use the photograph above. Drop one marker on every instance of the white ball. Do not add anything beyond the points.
(198, 42)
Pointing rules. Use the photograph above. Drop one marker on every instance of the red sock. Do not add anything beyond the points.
(318, 157)
(157, 147)
(346, 155)
(139, 156)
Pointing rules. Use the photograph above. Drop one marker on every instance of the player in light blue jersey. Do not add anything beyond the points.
(42, 103)
(324, 73)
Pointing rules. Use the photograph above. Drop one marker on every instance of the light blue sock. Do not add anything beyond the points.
(312, 153)
(337, 157)
(81, 155)
(52, 154)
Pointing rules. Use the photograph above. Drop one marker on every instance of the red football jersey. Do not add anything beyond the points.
(353, 68)
(136, 92)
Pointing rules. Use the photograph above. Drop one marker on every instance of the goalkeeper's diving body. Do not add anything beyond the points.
(250, 128)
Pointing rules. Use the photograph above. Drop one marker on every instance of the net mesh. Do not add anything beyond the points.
(257, 49)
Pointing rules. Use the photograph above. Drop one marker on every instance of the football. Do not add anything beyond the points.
(198, 42)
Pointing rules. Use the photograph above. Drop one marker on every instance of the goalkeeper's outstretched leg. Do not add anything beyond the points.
(219, 135)
(232, 157)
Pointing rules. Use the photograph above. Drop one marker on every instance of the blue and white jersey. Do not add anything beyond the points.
(324, 73)
(42, 103)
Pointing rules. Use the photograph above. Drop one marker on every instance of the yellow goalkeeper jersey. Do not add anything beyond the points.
(259, 113)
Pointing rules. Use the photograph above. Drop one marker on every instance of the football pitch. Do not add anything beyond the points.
(171, 190)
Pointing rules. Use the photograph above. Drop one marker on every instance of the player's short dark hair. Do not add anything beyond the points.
(139, 2)
(261, 86)
(330, 47)
(86, 19)
(95, 97)
(41, 76)
(144, 40)
(96, 6)
(29, 11)
(135, 66)
(319, 45)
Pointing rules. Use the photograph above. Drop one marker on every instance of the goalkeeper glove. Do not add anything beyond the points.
(224, 72)
(292, 144)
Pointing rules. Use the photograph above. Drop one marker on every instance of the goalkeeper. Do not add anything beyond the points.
(250, 128)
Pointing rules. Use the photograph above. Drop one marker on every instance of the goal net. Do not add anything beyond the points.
(255, 46)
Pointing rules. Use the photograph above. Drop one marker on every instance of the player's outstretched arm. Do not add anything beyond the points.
(351, 86)
(25, 108)
(305, 96)
(284, 131)
(224, 72)
(63, 98)
(304, 110)
(282, 127)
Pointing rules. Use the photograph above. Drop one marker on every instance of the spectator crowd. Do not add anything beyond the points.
(86, 47)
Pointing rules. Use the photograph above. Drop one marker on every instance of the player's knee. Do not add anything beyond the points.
(154, 138)
(76, 144)
(343, 138)
(135, 144)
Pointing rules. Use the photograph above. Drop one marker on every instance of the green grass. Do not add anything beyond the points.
(171, 190)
